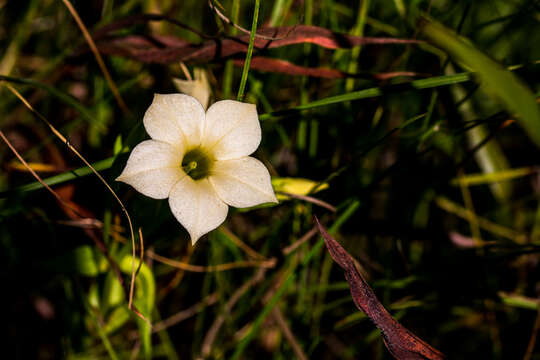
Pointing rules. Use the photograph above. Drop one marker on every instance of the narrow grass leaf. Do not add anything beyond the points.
(117, 318)
(60, 95)
(495, 79)
(63, 177)
(249, 52)
(519, 301)
(488, 178)
(262, 315)
(432, 82)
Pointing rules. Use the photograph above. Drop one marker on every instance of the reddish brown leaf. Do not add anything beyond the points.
(286, 67)
(282, 66)
(401, 343)
(160, 49)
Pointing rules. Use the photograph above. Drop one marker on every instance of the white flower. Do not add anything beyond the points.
(200, 161)
(198, 88)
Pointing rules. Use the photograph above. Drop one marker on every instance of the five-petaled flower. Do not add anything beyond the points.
(200, 161)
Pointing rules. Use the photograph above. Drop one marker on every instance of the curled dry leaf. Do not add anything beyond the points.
(285, 67)
(401, 343)
(168, 49)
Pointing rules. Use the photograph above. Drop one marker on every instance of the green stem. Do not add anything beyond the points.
(358, 30)
(245, 70)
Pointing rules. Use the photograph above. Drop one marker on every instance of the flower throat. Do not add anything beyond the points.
(196, 163)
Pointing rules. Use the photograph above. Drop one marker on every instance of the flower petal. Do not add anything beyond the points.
(197, 207)
(232, 130)
(176, 119)
(153, 168)
(242, 182)
(198, 88)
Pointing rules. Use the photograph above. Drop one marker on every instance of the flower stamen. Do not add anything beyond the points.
(191, 166)
(197, 163)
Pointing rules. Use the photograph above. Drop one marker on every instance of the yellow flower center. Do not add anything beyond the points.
(197, 163)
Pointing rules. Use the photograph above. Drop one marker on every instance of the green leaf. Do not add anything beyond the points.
(61, 178)
(249, 53)
(83, 260)
(494, 79)
(119, 316)
(296, 186)
(432, 82)
(63, 97)
(113, 294)
(117, 147)
(144, 300)
(518, 301)
(87, 261)
(490, 157)
(488, 178)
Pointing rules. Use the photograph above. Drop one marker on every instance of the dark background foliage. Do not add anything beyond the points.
(391, 163)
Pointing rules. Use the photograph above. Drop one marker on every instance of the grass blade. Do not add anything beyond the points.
(495, 79)
(61, 178)
(245, 71)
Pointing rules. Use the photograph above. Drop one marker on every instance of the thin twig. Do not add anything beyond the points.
(532, 340)
(186, 314)
(245, 31)
(284, 327)
(485, 224)
(310, 199)
(177, 276)
(214, 329)
(136, 349)
(270, 263)
(38, 178)
(242, 245)
(99, 244)
(83, 223)
(98, 57)
(306, 237)
(78, 154)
